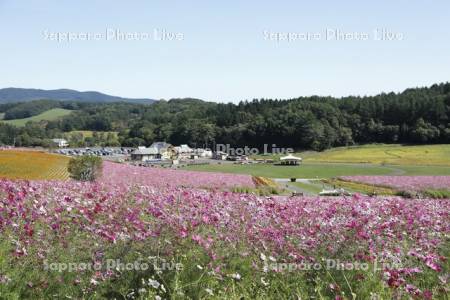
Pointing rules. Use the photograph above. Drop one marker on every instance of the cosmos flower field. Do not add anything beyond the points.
(224, 244)
(159, 177)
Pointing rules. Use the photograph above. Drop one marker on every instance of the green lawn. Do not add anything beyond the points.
(321, 170)
(375, 159)
(425, 155)
(311, 188)
(49, 115)
(424, 170)
(436, 155)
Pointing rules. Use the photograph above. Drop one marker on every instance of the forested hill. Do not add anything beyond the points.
(420, 115)
(14, 95)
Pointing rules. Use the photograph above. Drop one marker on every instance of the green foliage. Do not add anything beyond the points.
(437, 194)
(189, 274)
(318, 123)
(260, 191)
(85, 168)
(7, 134)
(29, 109)
(424, 132)
(407, 194)
(420, 115)
(92, 139)
(429, 193)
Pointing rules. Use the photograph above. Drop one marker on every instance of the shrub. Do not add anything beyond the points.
(260, 191)
(437, 194)
(407, 194)
(85, 168)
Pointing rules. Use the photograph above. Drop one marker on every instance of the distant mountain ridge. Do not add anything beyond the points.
(13, 95)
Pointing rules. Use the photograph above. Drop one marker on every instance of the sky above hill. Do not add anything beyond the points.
(224, 51)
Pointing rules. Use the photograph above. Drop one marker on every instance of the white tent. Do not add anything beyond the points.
(290, 160)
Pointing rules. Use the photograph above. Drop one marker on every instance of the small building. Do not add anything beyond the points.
(237, 158)
(160, 145)
(145, 154)
(61, 143)
(183, 149)
(204, 153)
(165, 150)
(290, 160)
(219, 155)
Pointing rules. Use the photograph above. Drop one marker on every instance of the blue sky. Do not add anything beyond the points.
(224, 54)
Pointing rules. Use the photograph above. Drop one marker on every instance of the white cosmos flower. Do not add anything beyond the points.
(262, 256)
(210, 292)
(153, 283)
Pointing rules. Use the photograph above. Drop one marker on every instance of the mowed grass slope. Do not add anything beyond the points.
(49, 115)
(423, 155)
(31, 165)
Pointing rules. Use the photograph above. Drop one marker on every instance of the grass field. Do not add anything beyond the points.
(424, 155)
(49, 115)
(322, 170)
(429, 155)
(311, 188)
(32, 165)
(363, 160)
(306, 170)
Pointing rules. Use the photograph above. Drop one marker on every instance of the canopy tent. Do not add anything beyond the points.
(290, 160)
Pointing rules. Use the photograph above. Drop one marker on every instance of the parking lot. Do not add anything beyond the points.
(106, 152)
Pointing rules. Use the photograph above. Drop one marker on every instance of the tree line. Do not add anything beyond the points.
(415, 116)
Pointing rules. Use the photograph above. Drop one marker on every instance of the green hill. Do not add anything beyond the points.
(14, 95)
(49, 115)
